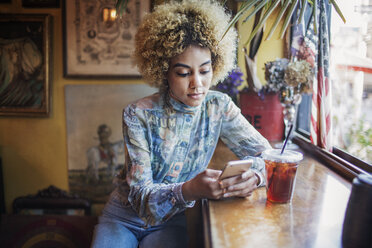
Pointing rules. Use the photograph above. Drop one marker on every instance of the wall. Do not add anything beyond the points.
(269, 49)
(34, 150)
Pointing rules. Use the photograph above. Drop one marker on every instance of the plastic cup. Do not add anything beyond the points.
(281, 174)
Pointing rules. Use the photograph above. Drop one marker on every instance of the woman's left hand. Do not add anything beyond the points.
(240, 185)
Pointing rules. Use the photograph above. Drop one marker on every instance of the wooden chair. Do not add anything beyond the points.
(51, 218)
(52, 200)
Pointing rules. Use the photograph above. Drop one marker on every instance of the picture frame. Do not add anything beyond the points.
(95, 144)
(2, 194)
(94, 48)
(25, 57)
(40, 3)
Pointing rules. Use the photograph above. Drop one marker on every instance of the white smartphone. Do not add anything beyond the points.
(236, 167)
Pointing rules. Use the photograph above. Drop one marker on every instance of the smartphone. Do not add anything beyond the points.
(236, 167)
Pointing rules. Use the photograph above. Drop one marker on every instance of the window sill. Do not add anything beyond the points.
(347, 169)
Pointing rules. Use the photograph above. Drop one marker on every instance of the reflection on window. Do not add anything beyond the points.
(351, 72)
(304, 115)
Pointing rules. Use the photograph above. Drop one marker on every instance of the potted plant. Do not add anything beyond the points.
(261, 108)
(272, 107)
(289, 80)
(261, 104)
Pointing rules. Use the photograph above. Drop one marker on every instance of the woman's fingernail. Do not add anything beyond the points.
(226, 195)
(221, 185)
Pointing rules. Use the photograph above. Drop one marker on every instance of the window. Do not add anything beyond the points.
(351, 75)
(303, 115)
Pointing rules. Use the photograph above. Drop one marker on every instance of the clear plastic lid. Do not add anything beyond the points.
(288, 156)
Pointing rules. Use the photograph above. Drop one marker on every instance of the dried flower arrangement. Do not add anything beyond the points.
(299, 75)
(274, 75)
(290, 79)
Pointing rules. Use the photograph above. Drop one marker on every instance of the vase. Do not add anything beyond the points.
(265, 113)
(289, 116)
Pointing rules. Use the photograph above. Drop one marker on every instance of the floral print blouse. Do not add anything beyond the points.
(169, 143)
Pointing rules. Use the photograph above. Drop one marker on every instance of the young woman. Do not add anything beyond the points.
(170, 136)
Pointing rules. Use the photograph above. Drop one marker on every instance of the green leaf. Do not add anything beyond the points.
(302, 13)
(243, 8)
(263, 20)
(256, 9)
(288, 18)
(279, 17)
(333, 2)
(121, 6)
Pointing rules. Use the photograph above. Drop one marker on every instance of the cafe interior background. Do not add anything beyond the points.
(52, 146)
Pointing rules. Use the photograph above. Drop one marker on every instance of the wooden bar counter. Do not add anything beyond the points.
(313, 219)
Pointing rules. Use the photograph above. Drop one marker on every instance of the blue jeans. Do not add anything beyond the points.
(120, 226)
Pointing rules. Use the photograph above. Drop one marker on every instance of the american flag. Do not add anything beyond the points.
(314, 48)
(321, 133)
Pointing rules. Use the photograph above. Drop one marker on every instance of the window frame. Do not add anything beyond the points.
(345, 164)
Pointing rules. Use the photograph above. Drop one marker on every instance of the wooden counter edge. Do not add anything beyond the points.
(206, 224)
(328, 159)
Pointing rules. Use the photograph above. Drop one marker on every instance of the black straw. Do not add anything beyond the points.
(286, 139)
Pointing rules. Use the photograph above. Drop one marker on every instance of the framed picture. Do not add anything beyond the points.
(2, 195)
(95, 143)
(25, 57)
(96, 45)
(40, 3)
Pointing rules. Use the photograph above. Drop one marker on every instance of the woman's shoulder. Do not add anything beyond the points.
(217, 97)
(150, 102)
(138, 110)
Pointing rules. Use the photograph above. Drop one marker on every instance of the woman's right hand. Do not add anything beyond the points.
(204, 185)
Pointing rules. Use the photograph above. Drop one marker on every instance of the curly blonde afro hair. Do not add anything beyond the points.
(172, 27)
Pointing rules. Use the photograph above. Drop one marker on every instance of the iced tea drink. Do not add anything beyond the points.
(280, 174)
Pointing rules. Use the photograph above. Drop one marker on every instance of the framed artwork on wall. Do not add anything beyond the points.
(40, 3)
(96, 45)
(25, 58)
(2, 193)
(95, 143)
